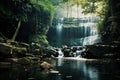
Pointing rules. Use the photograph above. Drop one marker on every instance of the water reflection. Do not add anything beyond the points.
(69, 68)
(60, 62)
(76, 69)
(22, 73)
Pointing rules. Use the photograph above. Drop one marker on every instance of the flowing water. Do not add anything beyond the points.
(75, 32)
(59, 31)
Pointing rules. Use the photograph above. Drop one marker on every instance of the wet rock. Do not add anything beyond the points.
(19, 52)
(51, 52)
(46, 68)
(5, 64)
(2, 40)
(54, 72)
(100, 51)
(68, 76)
(22, 44)
(8, 50)
(24, 61)
(46, 65)
(5, 49)
(66, 52)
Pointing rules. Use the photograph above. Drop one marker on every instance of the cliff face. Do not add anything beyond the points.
(111, 31)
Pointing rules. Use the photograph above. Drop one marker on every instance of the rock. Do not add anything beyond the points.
(2, 40)
(8, 50)
(100, 51)
(19, 52)
(66, 52)
(5, 49)
(50, 52)
(45, 65)
(46, 68)
(5, 65)
(24, 61)
(22, 44)
(54, 72)
(68, 76)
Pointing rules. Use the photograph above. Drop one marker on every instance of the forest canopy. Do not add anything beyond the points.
(21, 19)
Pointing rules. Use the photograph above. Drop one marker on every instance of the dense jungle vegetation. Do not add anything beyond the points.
(30, 20)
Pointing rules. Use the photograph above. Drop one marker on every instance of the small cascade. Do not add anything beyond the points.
(59, 32)
(60, 54)
(77, 51)
(77, 54)
(91, 40)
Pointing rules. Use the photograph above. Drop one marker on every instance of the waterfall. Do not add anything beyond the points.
(90, 32)
(60, 54)
(59, 32)
(85, 33)
(75, 31)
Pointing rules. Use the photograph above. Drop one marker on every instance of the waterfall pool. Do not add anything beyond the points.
(69, 68)
(72, 68)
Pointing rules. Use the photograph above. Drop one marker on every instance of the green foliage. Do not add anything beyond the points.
(55, 2)
(21, 8)
(89, 6)
(11, 12)
(39, 39)
(30, 12)
(65, 0)
(45, 4)
(43, 17)
(43, 11)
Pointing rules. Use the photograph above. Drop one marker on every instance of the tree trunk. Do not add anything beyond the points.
(17, 30)
(36, 20)
(36, 23)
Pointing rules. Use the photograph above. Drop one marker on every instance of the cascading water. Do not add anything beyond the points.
(71, 34)
(90, 27)
(59, 32)
(80, 34)
(75, 31)
(60, 53)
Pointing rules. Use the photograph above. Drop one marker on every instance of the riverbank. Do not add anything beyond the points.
(21, 61)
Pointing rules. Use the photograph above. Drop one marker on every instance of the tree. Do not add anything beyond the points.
(42, 20)
(33, 15)
(18, 12)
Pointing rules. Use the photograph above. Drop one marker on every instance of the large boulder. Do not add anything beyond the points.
(101, 51)
(5, 49)
(46, 68)
(8, 50)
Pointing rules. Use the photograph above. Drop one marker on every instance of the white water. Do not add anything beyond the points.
(93, 33)
(88, 29)
(90, 40)
(60, 54)
(59, 32)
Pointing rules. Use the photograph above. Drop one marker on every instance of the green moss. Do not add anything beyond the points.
(45, 5)
(39, 39)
